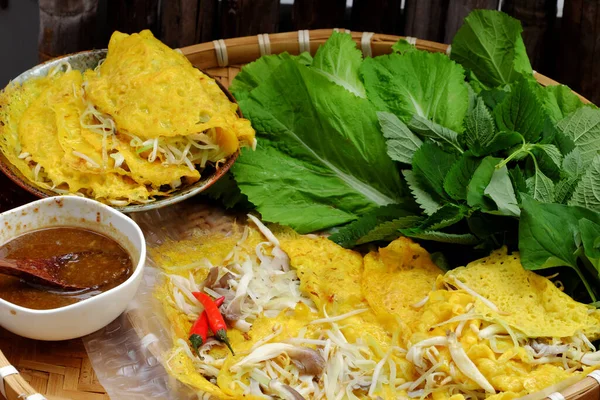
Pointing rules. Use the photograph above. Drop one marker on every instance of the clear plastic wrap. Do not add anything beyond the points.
(128, 354)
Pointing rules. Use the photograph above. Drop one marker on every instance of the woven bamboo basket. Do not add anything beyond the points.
(62, 370)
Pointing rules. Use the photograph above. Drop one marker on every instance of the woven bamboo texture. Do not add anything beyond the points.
(62, 370)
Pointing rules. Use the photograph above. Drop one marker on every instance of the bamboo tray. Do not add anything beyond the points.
(62, 370)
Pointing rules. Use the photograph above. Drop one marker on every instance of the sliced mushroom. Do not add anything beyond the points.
(285, 391)
(233, 311)
(224, 281)
(307, 360)
(212, 277)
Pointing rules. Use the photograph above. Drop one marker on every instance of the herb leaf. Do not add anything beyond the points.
(489, 43)
(590, 232)
(459, 176)
(583, 128)
(587, 192)
(430, 166)
(560, 101)
(541, 187)
(521, 111)
(500, 189)
(443, 237)
(427, 84)
(420, 194)
(479, 128)
(339, 60)
(380, 224)
(447, 215)
(401, 142)
(479, 182)
(437, 133)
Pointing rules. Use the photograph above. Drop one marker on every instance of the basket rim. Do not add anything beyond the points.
(242, 50)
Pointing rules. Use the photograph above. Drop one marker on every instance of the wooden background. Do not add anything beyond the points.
(566, 49)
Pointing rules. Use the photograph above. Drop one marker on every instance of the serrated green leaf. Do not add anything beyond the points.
(560, 101)
(402, 46)
(401, 142)
(549, 159)
(437, 133)
(587, 192)
(420, 194)
(572, 164)
(492, 97)
(583, 129)
(521, 111)
(372, 224)
(563, 191)
(227, 192)
(500, 190)
(479, 128)
(430, 166)
(489, 43)
(447, 215)
(552, 152)
(389, 230)
(479, 182)
(339, 61)
(541, 187)
(465, 238)
(417, 82)
(459, 176)
(518, 180)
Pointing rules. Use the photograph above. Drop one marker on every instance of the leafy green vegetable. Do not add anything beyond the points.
(437, 133)
(401, 142)
(479, 128)
(479, 182)
(583, 129)
(560, 101)
(456, 238)
(489, 43)
(339, 60)
(541, 187)
(424, 199)
(426, 84)
(258, 71)
(521, 111)
(380, 224)
(501, 191)
(587, 192)
(430, 165)
(459, 176)
(590, 233)
(547, 235)
(296, 177)
(227, 192)
(402, 46)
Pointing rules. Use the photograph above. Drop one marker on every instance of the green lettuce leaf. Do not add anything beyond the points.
(490, 45)
(258, 71)
(426, 84)
(321, 160)
(402, 46)
(401, 142)
(339, 61)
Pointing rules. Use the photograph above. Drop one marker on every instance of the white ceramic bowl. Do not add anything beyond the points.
(89, 315)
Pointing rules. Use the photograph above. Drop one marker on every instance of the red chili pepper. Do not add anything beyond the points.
(215, 319)
(199, 330)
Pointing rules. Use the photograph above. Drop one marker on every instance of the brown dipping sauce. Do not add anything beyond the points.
(104, 265)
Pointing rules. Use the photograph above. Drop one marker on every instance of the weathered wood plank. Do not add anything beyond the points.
(187, 22)
(380, 16)
(248, 17)
(316, 14)
(538, 18)
(66, 26)
(131, 16)
(458, 10)
(578, 62)
(425, 19)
